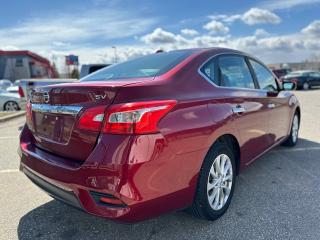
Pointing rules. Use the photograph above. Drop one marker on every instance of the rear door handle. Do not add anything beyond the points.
(271, 105)
(238, 109)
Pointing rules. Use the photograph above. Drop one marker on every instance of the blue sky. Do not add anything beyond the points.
(274, 30)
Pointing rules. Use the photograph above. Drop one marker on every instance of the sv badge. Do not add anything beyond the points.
(101, 96)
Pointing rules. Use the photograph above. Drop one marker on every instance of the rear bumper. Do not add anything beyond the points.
(66, 196)
(141, 171)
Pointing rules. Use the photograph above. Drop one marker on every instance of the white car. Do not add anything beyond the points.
(4, 84)
(9, 101)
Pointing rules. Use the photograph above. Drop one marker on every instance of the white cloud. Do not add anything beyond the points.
(261, 33)
(286, 4)
(207, 41)
(251, 17)
(9, 48)
(216, 27)
(269, 47)
(226, 18)
(160, 36)
(232, 18)
(89, 34)
(51, 35)
(313, 28)
(189, 32)
(60, 44)
(51, 32)
(258, 16)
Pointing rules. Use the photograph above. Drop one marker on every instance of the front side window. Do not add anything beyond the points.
(234, 72)
(148, 66)
(265, 79)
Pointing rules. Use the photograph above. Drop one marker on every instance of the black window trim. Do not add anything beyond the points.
(215, 56)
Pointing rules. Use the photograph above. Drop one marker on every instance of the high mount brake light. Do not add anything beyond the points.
(138, 117)
(127, 118)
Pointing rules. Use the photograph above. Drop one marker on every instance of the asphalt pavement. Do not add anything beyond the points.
(277, 197)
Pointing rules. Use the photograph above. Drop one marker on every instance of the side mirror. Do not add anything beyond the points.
(288, 86)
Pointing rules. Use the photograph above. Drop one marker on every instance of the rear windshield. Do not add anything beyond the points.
(147, 66)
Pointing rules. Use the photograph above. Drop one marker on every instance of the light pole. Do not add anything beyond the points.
(115, 54)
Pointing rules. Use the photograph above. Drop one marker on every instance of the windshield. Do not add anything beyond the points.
(147, 66)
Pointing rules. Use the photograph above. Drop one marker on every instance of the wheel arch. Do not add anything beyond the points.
(232, 142)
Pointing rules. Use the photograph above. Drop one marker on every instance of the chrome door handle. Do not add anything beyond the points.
(238, 109)
(271, 105)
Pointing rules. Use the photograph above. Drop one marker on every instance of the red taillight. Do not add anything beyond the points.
(127, 118)
(92, 119)
(136, 118)
(20, 91)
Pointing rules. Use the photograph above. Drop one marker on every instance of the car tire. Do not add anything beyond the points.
(208, 203)
(294, 132)
(306, 86)
(11, 106)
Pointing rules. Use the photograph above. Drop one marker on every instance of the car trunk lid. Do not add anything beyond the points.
(56, 109)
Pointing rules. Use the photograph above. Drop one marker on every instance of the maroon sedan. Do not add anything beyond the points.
(158, 133)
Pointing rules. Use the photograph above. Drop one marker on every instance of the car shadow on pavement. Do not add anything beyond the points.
(264, 204)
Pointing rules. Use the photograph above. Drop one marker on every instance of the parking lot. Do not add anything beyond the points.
(277, 197)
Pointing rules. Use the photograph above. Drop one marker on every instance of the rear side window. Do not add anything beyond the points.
(234, 72)
(147, 66)
(265, 79)
(209, 71)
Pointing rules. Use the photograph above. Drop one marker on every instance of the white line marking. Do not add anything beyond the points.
(9, 171)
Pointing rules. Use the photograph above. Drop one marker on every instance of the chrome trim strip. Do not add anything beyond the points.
(67, 110)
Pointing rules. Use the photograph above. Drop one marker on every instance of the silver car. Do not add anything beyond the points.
(4, 84)
(9, 101)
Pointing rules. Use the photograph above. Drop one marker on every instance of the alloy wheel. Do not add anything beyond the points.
(11, 106)
(219, 182)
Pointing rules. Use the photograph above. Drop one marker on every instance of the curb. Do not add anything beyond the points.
(12, 116)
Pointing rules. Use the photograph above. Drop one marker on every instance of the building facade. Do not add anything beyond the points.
(24, 64)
